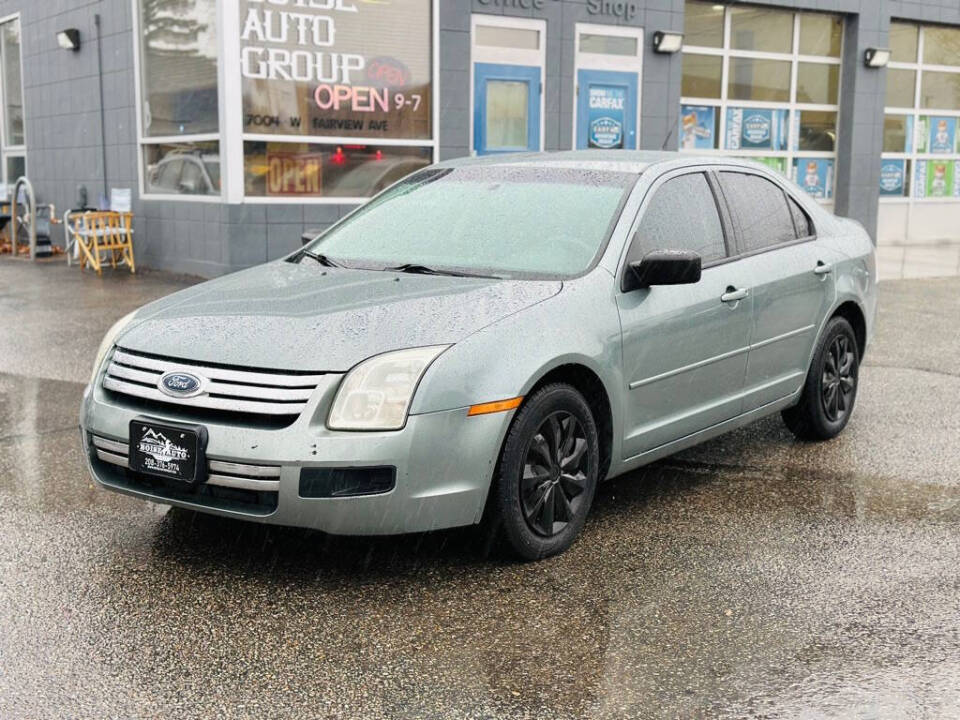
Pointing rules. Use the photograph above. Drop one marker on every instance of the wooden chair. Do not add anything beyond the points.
(104, 235)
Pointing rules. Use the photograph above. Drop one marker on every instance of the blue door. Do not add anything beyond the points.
(606, 110)
(506, 108)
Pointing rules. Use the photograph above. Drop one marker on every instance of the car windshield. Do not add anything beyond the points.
(502, 220)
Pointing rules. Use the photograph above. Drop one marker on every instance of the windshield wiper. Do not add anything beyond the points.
(320, 258)
(417, 269)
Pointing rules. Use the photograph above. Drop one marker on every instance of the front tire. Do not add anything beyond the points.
(547, 473)
(830, 390)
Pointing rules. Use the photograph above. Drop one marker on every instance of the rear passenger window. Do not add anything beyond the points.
(681, 216)
(759, 208)
(800, 220)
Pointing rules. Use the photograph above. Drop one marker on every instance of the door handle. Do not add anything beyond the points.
(822, 268)
(734, 295)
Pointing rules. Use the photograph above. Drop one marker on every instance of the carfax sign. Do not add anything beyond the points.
(606, 116)
(756, 129)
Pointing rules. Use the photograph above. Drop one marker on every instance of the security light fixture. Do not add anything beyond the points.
(667, 42)
(69, 39)
(876, 57)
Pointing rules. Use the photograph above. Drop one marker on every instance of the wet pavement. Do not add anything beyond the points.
(753, 576)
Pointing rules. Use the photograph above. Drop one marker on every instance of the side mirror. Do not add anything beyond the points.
(663, 267)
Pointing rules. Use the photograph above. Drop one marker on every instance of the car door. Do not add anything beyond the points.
(684, 346)
(792, 280)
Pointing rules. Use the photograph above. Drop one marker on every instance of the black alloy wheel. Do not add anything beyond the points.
(554, 474)
(839, 379)
(830, 390)
(546, 474)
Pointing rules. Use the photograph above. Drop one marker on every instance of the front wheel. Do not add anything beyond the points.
(547, 473)
(831, 387)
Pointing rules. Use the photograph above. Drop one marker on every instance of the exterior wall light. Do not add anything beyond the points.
(667, 42)
(69, 39)
(876, 57)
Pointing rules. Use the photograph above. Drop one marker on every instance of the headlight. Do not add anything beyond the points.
(376, 394)
(107, 342)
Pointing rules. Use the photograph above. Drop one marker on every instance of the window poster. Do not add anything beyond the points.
(892, 177)
(698, 127)
(937, 179)
(774, 163)
(607, 107)
(815, 176)
(937, 135)
(337, 68)
(756, 129)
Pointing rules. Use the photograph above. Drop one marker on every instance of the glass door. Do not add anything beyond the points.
(506, 108)
(507, 84)
(607, 99)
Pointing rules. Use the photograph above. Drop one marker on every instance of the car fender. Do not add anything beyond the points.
(508, 358)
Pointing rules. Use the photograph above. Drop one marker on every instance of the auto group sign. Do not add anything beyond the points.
(339, 68)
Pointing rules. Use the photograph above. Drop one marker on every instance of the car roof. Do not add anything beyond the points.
(629, 161)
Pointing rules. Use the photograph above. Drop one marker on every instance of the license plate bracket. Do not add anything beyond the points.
(175, 451)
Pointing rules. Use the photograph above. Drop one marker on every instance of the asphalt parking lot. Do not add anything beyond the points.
(753, 576)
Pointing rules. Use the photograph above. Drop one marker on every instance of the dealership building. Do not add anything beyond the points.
(240, 124)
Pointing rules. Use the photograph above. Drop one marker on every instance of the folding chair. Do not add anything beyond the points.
(109, 231)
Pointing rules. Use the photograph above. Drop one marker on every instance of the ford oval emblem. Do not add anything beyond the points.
(180, 384)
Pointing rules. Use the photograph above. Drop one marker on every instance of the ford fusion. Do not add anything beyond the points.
(486, 340)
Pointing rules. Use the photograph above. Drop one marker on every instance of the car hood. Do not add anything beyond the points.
(289, 316)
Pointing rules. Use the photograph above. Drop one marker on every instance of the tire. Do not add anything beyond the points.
(830, 390)
(541, 494)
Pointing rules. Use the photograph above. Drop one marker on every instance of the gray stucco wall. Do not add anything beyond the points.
(63, 128)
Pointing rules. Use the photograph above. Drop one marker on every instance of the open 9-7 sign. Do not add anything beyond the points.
(347, 69)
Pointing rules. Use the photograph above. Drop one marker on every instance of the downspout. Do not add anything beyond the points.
(103, 115)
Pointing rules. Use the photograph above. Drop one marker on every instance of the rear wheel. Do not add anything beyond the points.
(547, 473)
(830, 390)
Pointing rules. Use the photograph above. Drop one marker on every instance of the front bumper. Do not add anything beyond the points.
(444, 465)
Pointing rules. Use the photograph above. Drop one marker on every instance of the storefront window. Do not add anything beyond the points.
(359, 70)
(820, 34)
(703, 24)
(817, 83)
(941, 45)
(761, 30)
(901, 85)
(903, 42)
(779, 106)
(897, 130)
(178, 66)
(702, 75)
(940, 89)
(12, 86)
(182, 168)
(303, 170)
(755, 79)
(11, 114)
(921, 146)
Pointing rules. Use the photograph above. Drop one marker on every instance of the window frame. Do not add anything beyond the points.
(792, 106)
(787, 196)
(910, 156)
(723, 213)
(19, 150)
(231, 136)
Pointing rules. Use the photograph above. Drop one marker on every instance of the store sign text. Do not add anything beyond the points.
(304, 30)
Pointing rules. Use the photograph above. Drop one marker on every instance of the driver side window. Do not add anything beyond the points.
(681, 216)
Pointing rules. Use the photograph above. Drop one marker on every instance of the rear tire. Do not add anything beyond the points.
(830, 390)
(547, 473)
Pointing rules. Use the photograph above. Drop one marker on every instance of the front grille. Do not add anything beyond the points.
(229, 485)
(226, 391)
